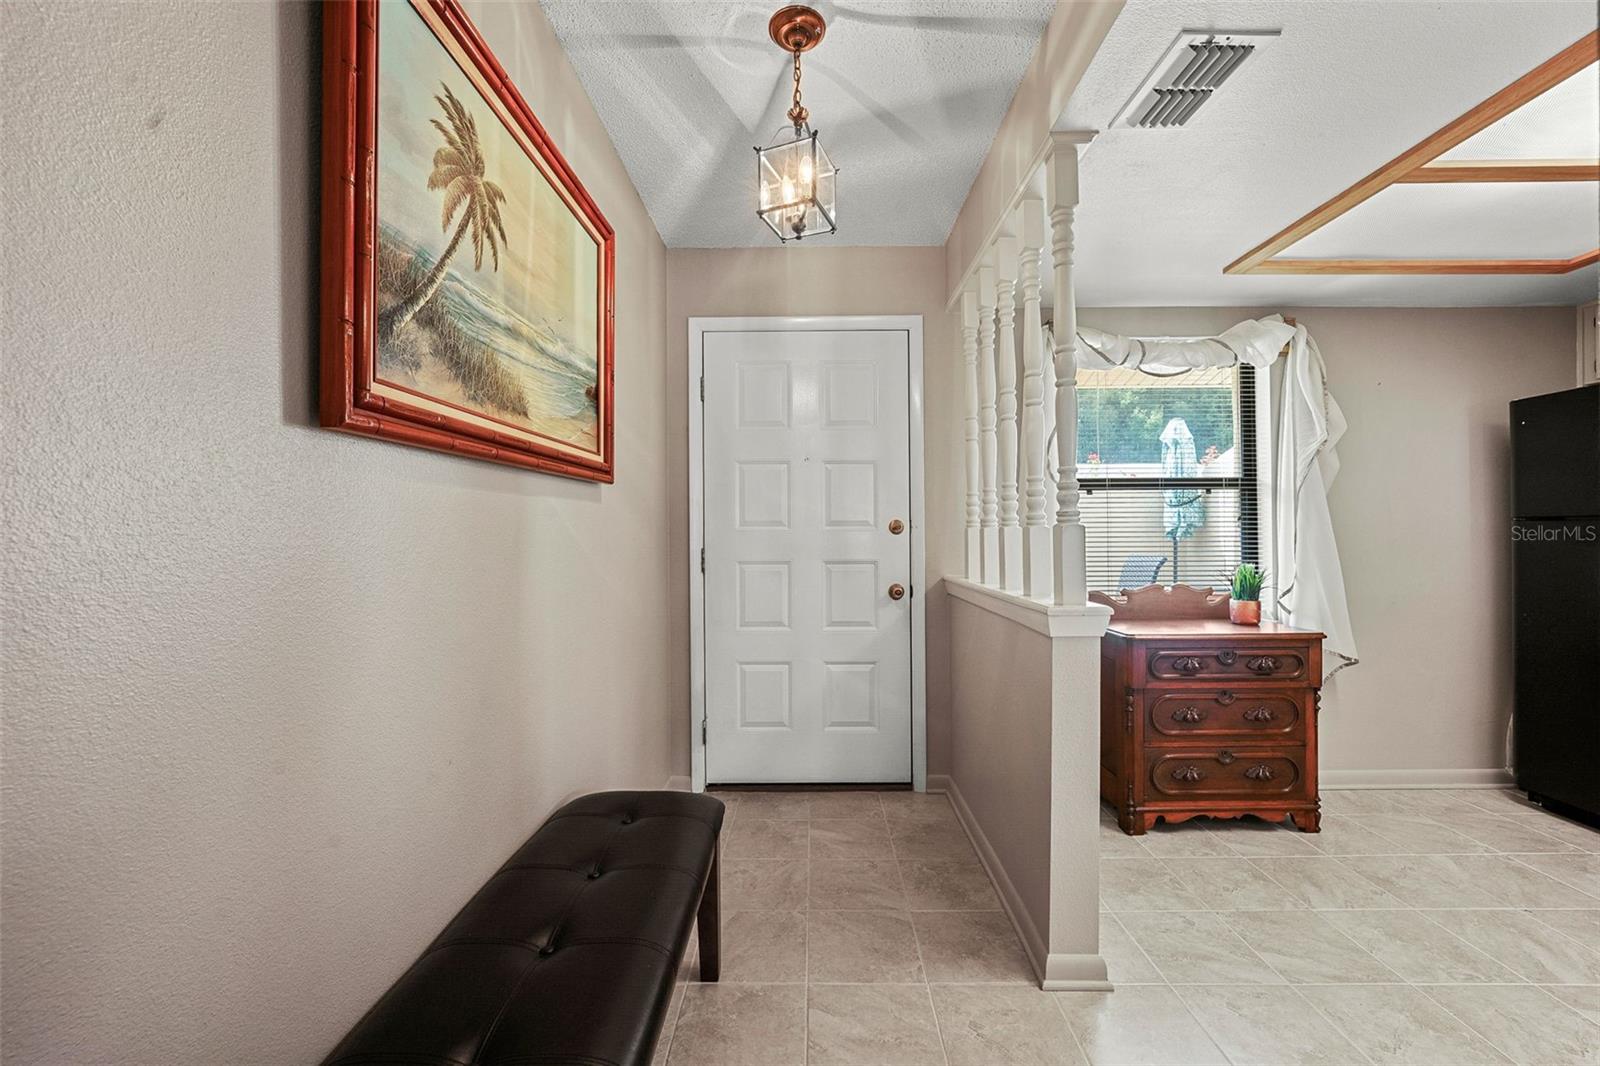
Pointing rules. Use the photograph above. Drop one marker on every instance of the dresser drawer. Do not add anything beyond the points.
(1183, 716)
(1268, 662)
(1223, 773)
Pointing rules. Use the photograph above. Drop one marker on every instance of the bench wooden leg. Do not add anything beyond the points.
(709, 921)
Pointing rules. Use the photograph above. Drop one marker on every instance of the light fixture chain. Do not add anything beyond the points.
(797, 113)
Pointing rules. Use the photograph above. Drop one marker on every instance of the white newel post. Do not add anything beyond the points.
(989, 525)
(1061, 186)
(1036, 547)
(969, 357)
(1006, 251)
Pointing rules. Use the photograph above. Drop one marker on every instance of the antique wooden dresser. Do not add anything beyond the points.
(1199, 716)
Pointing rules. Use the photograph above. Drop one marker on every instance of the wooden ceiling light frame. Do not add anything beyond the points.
(1420, 164)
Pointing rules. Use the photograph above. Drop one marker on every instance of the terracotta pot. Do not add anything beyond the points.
(1244, 612)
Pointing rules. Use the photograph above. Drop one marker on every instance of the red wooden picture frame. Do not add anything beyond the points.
(349, 243)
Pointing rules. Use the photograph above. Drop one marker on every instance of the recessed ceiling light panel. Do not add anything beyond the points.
(1196, 65)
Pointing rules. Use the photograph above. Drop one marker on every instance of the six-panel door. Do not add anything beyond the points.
(808, 654)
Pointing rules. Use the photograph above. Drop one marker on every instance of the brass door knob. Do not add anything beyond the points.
(896, 526)
(897, 591)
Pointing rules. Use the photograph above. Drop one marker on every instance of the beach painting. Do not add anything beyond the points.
(488, 290)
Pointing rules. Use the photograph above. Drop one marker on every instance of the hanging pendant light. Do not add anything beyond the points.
(796, 183)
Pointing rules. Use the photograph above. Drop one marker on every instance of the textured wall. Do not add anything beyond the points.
(276, 700)
(818, 279)
(1420, 509)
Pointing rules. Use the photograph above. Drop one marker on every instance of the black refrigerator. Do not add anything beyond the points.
(1555, 541)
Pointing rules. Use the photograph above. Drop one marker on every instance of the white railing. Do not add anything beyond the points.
(1016, 541)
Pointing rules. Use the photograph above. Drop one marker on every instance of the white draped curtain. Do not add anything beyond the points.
(1305, 566)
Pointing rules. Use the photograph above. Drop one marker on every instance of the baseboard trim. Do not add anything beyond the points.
(938, 783)
(679, 783)
(1075, 973)
(1033, 944)
(1463, 778)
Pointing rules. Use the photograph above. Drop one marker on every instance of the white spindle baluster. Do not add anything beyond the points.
(989, 521)
(1006, 251)
(969, 357)
(1061, 186)
(1036, 547)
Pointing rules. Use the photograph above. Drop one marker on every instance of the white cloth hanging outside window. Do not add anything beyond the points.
(1305, 567)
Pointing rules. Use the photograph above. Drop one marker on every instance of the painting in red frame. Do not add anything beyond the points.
(468, 295)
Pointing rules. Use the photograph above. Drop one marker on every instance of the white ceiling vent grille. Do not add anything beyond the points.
(1196, 65)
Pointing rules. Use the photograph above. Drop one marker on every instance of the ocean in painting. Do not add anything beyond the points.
(487, 285)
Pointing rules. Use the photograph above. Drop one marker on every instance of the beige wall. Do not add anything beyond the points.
(1420, 509)
(807, 279)
(276, 700)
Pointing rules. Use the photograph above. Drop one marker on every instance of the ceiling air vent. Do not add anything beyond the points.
(1196, 65)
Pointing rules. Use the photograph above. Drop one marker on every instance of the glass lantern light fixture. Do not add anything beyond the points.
(796, 183)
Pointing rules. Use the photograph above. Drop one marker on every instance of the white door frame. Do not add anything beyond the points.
(698, 327)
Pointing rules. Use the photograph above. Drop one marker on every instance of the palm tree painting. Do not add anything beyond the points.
(487, 282)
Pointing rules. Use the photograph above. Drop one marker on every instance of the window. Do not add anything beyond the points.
(1168, 472)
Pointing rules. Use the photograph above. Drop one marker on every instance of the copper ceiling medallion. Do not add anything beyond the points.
(796, 28)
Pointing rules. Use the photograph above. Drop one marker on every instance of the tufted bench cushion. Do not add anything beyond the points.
(569, 953)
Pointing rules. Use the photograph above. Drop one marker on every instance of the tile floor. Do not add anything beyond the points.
(1419, 927)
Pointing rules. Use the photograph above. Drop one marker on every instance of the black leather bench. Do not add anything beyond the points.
(569, 953)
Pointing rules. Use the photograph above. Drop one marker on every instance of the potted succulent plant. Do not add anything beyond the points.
(1244, 608)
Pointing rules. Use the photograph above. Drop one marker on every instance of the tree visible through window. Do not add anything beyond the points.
(1167, 467)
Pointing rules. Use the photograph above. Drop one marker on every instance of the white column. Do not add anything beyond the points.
(969, 357)
(989, 518)
(1061, 187)
(1036, 547)
(1006, 251)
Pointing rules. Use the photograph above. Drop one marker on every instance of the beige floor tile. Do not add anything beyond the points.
(935, 885)
(871, 1025)
(764, 946)
(997, 1025)
(972, 946)
(850, 838)
(1113, 841)
(1126, 962)
(1416, 835)
(1500, 833)
(782, 806)
(1523, 941)
(1142, 885)
(1305, 948)
(909, 806)
(1523, 1022)
(764, 884)
(1341, 834)
(855, 885)
(664, 1041)
(1360, 801)
(1419, 950)
(1585, 999)
(1141, 1025)
(1185, 840)
(1452, 881)
(1497, 800)
(931, 840)
(1581, 925)
(845, 805)
(1324, 884)
(863, 946)
(1229, 884)
(741, 1025)
(1253, 838)
(1581, 872)
(1258, 1026)
(1579, 836)
(1196, 948)
(1400, 1025)
(762, 838)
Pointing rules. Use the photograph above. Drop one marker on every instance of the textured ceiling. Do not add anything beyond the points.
(1347, 87)
(906, 94)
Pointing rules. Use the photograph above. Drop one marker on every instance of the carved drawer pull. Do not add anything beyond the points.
(1262, 772)
(1226, 698)
(1259, 714)
(1188, 773)
(1188, 664)
(1188, 714)
(1227, 658)
(1262, 664)
(1225, 757)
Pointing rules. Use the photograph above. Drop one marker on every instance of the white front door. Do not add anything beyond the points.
(807, 556)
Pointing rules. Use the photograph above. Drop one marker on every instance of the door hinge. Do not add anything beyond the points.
(702, 560)
(702, 388)
(702, 732)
